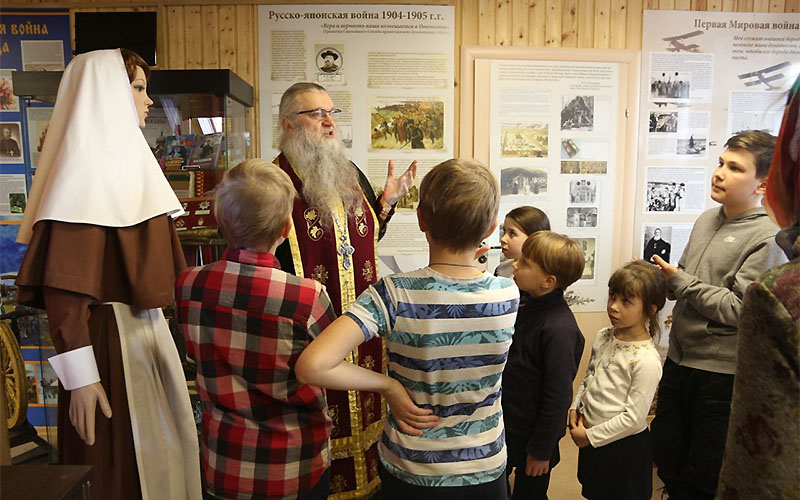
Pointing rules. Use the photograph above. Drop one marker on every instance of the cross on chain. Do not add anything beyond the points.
(346, 250)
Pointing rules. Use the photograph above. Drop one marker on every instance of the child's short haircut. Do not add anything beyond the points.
(458, 202)
(556, 254)
(529, 219)
(760, 144)
(642, 279)
(252, 203)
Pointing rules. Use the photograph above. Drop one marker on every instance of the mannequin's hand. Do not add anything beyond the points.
(82, 409)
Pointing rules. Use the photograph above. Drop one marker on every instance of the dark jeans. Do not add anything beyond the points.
(393, 488)
(690, 429)
(525, 487)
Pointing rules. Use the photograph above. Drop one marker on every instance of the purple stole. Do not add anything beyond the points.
(357, 416)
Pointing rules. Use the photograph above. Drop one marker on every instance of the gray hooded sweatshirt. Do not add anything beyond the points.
(720, 260)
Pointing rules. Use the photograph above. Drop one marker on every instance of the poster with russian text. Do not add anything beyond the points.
(390, 68)
(552, 146)
(705, 77)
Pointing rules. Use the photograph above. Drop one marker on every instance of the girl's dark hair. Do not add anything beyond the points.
(133, 60)
(529, 219)
(641, 279)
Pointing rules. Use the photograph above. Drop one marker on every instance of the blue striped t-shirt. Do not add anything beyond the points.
(448, 339)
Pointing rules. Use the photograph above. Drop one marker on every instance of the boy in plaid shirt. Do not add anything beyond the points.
(265, 435)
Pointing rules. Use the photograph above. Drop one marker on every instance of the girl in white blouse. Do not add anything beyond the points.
(608, 417)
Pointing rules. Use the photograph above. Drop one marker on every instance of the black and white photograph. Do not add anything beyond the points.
(663, 123)
(669, 85)
(657, 241)
(520, 181)
(11, 143)
(524, 140)
(581, 216)
(665, 196)
(692, 145)
(577, 112)
(588, 247)
(584, 167)
(583, 191)
(329, 60)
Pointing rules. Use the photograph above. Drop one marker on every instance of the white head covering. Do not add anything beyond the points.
(96, 166)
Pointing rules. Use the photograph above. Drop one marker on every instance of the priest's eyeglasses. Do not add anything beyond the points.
(320, 114)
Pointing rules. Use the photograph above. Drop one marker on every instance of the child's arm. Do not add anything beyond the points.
(323, 364)
(719, 303)
(645, 375)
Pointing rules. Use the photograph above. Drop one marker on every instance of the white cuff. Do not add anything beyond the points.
(76, 368)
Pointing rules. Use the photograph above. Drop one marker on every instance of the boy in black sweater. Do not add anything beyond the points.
(542, 362)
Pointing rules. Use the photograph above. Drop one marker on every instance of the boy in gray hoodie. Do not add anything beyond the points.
(729, 248)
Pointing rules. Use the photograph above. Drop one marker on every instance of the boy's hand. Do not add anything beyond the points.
(572, 419)
(535, 467)
(409, 417)
(665, 267)
(578, 434)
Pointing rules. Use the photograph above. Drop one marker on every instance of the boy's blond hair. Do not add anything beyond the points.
(458, 202)
(556, 254)
(252, 203)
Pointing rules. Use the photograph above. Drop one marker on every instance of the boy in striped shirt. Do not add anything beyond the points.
(447, 328)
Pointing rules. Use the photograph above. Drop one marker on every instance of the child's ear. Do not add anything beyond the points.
(762, 186)
(550, 281)
(422, 226)
(287, 228)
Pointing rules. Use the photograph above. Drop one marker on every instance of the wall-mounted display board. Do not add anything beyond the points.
(556, 128)
(705, 77)
(390, 68)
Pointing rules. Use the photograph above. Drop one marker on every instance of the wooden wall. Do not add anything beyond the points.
(202, 34)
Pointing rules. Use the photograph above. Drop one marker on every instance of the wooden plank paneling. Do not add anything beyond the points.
(552, 23)
(176, 55)
(536, 23)
(193, 32)
(777, 6)
(699, 5)
(470, 18)
(601, 23)
(666, 4)
(744, 6)
(618, 19)
(586, 24)
(227, 37)
(683, 4)
(633, 25)
(519, 22)
(760, 5)
(569, 23)
(486, 24)
(209, 15)
(792, 6)
(246, 17)
(503, 24)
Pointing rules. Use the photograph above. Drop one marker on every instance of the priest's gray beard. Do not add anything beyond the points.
(326, 172)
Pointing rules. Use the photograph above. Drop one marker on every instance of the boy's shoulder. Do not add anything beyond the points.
(426, 278)
(255, 273)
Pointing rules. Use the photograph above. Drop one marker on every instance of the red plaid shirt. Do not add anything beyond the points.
(246, 322)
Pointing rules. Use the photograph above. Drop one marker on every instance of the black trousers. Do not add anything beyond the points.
(525, 487)
(622, 470)
(393, 488)
(690, 429)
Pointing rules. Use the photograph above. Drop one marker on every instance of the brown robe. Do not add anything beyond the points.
(69, 269)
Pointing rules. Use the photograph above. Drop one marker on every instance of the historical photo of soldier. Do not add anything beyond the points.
(665, 196)
(10, 150)
(657, 242)
(692, 145)
(588, 246)
(577, 112)
(329, 60)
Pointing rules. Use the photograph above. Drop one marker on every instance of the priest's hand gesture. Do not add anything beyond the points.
(397, 187)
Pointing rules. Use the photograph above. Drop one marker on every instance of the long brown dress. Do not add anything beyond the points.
(73, 271)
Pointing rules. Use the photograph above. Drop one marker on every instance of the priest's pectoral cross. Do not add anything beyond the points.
(346, 250)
